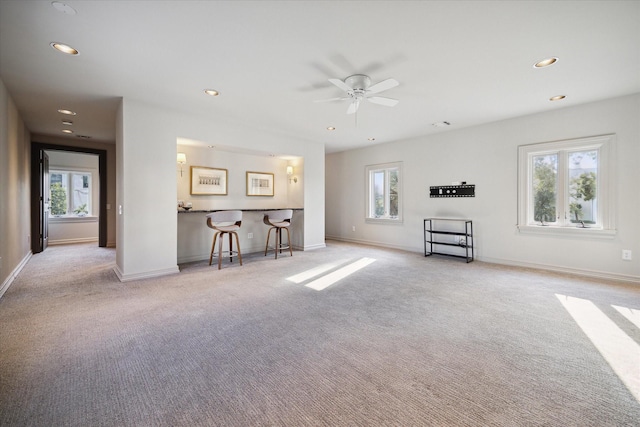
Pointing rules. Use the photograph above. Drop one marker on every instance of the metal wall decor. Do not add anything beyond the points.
(465, 190)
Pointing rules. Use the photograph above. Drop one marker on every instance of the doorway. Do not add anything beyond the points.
(40, 190)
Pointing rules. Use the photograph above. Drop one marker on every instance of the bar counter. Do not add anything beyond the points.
(195, 237)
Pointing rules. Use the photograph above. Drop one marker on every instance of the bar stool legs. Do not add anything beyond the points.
(278, 220)
(231, 251)
(225, 222)
(278, 246)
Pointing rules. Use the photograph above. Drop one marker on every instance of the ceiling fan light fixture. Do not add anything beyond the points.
(358, 87)
(64, 48)
(545, 62)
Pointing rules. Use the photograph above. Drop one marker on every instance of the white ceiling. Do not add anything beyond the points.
(465, 62)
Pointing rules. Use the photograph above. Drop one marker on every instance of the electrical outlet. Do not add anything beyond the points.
(626, 254)
(250, 236)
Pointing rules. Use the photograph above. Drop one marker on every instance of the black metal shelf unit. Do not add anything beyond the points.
(442, 233)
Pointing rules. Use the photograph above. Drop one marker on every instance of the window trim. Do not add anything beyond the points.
(368, 189)
(606, 145)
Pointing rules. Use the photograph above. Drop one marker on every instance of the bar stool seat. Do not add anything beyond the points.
(278, 220)
(225, 222)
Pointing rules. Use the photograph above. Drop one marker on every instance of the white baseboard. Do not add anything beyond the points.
(546, 267)
(560, 269)
(71, 241)
(146, 275)
(11, 277)
(373, 243)
(312, 247)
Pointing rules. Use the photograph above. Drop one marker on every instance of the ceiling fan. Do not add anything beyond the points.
(358, 88)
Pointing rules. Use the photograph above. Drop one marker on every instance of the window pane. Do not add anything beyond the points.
(583, 174)
(393, 192)
(58, 188)
(80, 188)
(378, 193)
(545, 171)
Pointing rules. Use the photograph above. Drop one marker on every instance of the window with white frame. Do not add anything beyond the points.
(567, 185)
(384, 192)
(70, 193)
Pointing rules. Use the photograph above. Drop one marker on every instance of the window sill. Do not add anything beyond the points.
(396, 221)
(548, 230)
(71, 219)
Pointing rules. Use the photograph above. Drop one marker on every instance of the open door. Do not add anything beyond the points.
(45, 197)
(40, 200)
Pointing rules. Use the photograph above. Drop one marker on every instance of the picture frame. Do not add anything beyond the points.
(206, 181)
(259, 183)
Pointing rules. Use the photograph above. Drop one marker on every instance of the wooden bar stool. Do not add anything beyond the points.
(225, 222)
(280, 220)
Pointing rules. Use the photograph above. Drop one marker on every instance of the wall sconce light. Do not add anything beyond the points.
(182, 159)
(290, 173)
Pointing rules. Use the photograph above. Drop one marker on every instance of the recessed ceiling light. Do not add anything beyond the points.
(371, 139)
(211, 146)
(67, 131)
(545, 62)
(67, 122)
(64, 48)
(68, 112)
(331, 128)
(211, 92)
(557, 97)
(64, 8)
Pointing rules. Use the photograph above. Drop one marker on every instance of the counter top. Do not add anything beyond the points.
(181, 210)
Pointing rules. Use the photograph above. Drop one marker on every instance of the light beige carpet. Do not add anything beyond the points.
(403, 341)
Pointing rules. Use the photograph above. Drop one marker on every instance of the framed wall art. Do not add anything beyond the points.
(208, 181)
(259, 184)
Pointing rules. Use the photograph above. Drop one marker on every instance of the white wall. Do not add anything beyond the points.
(487, 157)
(237, 164)
(15, 209)
(147, 190)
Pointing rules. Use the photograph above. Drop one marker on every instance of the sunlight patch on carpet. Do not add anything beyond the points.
(311, 273)
(631, 314)
(620, 351)
(331, 278)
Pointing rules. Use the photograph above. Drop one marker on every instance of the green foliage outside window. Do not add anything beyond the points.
(58, 199)
(81, 210)
(544, 188)
(583, 188)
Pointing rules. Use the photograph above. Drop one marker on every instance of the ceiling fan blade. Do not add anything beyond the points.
(342, 85)
(383, 85)
(331, 99)
(353, 107)
(381, 100)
